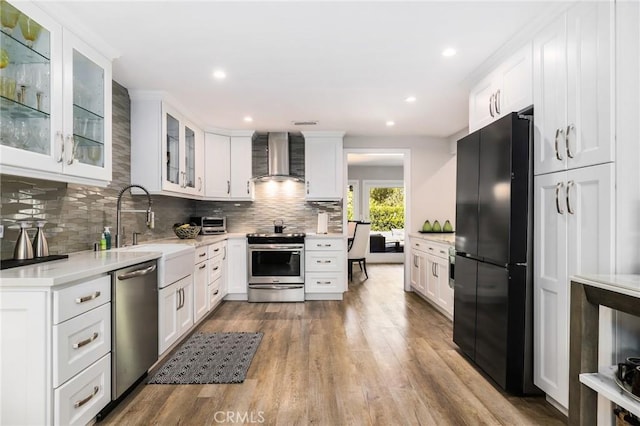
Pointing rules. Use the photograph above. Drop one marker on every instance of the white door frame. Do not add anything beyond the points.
(357, 203)
(407, 194)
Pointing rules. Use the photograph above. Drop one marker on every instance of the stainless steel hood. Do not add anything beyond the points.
(278, 158)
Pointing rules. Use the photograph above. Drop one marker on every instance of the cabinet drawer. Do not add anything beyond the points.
(436, 249)
(216, 250)
(317, 244)
(215, 271)
(325, 261)
(79, 342)
(324, 282)
(74, 300)
(79, 400)
(214, 292)
(201, 253)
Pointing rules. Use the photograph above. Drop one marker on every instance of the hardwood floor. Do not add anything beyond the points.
(380, 357)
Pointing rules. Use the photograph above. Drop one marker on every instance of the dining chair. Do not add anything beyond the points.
(359, 247)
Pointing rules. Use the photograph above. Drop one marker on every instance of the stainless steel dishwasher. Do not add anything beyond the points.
(134, 322)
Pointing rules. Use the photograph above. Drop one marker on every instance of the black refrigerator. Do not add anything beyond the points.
(493, 304)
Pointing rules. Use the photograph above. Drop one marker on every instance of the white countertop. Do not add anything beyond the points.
(625, 284)
(78, 266)
(435, 236)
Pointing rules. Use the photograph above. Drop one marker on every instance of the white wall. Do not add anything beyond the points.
(361, 173)
(433, 175)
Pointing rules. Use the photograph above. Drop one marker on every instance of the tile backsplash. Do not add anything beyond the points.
(76, 214)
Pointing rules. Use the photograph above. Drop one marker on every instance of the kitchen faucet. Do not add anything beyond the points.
(119, 211)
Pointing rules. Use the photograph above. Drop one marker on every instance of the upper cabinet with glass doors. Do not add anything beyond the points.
(55, 100)
(167, 150)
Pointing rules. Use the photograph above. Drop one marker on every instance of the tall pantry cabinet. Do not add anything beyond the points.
(574, 183)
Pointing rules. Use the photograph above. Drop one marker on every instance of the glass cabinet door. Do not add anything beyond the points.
(25, 83)
(88, 111)
(190, 148)
(173, 150)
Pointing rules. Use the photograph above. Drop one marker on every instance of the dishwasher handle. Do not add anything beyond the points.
(137, 273)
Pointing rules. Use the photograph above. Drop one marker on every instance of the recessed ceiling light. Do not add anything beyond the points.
(248, 119)
(391, 123)
(219, 75)
(449, 51)
(410, 99)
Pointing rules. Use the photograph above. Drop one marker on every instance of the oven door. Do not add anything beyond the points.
(276, 264)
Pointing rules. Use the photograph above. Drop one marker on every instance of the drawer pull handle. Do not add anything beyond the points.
(217, 291)
(323, 261)
(323, 245)
(87, 298)
(216, 268)
(431, 248)
(202, 254)
(203, 266)
(216, 249)
(442, 251)
(80, 403)
(323, 282)
(85, 342)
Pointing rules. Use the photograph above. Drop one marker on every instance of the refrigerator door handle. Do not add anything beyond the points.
(559, 186)
(559, 132)
(569, 185)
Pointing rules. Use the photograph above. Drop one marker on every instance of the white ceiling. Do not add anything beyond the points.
(348, 65)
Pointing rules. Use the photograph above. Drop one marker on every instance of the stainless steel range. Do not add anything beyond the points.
(275, 267)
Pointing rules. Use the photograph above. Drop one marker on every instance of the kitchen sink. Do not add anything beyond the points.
(175, 263)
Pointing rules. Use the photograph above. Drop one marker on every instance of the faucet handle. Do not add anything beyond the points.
(135, 238)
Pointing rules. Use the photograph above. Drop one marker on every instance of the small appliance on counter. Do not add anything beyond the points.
(210, 225)
(323, 223)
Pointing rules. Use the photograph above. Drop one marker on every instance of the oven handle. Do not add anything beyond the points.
(264, 247)
(275, 286)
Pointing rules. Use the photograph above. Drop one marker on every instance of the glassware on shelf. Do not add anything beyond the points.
(8, 16)
(7, 87)
(30, 30)
(23, 81)
(22, 134)
(7, 131)
(4, 58)
(40, 83)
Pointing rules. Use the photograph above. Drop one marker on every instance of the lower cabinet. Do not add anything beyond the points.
(175, 312)
(429, 273)
(236, 268)
(55, 363)
(325, 274)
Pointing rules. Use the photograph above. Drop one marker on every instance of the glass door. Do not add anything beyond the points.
(88, 111)
(25, 87)
(190, 151)
(174, 154)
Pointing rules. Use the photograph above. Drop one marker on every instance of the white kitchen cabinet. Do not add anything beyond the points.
(573, 89)
(56, 344)
(573, 219)
(217, 273)
(508, 88)
(167, 150)
(57, 124)
(175, 312)
(418, 269)
(429, 273)
(323, 166)
(236, 277)
(229, 170)
(200, 283)
(325, 274)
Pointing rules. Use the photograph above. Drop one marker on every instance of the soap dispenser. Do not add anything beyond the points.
(40, 245)
(23, 249)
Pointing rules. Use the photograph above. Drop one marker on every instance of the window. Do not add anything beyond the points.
(384, 206)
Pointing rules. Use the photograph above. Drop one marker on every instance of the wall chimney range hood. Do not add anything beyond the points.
(278, 154)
